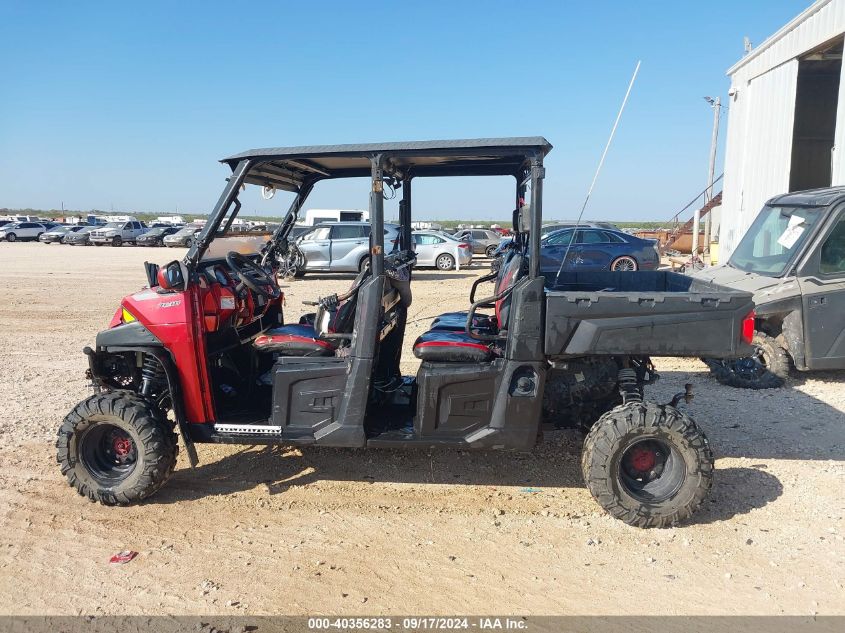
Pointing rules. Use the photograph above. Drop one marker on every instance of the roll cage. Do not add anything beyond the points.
(299, 169)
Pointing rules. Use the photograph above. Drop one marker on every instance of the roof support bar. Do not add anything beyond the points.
(377, 215)
(405, 216)
(299, 164)
(538, 173)
(230, 192)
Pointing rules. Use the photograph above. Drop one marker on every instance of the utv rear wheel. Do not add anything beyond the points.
(116, 448)
(647, 465)
(767, 368)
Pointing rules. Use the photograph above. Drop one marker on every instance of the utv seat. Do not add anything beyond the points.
(443, 344)
(305, 338)
(295, 340)
(457, 321)
(508, 275)
(446, 346)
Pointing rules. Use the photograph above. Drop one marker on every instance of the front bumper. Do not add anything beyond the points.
(102, 239)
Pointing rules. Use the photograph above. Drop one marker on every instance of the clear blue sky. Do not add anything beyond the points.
(130, 105)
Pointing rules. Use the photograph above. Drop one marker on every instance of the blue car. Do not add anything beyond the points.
(596, 249)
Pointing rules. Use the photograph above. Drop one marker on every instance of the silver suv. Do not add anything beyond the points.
(483, 241)
(342, 246)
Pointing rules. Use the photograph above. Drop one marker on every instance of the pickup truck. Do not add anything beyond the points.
(118, 233)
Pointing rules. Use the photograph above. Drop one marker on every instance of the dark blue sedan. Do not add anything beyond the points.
(595, 249)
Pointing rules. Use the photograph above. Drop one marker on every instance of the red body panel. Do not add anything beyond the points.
(174, 319)
(180, 320)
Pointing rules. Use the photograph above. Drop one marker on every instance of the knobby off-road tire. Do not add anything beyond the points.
(768, 369)
(116, 448)
(647, 465)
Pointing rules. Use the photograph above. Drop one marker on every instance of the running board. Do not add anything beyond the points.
(248, 429)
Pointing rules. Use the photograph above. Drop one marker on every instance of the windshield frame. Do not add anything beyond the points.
(798, 249)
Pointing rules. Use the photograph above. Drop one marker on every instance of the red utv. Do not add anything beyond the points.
(207, 350)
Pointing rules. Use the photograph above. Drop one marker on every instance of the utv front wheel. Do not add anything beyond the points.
(116, 448)
(647, 465)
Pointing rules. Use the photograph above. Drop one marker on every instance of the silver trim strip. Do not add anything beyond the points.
(248, 429)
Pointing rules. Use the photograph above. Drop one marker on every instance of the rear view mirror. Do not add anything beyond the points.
(170, 277)
(525, 219)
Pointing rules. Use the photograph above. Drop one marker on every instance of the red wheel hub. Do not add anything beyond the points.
(642, 459)
(122, 446)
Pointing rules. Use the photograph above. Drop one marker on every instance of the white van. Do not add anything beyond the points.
(317, 216)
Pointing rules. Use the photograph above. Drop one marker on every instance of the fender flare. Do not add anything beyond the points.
(163, 356)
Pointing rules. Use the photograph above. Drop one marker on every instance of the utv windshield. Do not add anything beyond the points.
(774, 239)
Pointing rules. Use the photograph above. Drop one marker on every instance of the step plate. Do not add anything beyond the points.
(248, 429)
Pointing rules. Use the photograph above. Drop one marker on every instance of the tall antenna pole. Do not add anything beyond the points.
(716, 104)
(601, 163)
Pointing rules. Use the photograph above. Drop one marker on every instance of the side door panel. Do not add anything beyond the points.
(553, 252)
(346, 245)
(317, 251)
(423, 250)
(594, 253)
(822, 283)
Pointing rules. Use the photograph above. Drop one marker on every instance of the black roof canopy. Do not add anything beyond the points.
(287, 167)
(810, 198)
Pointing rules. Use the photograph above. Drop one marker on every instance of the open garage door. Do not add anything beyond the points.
(816, 105)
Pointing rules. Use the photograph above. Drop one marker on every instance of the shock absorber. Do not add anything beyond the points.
(152, 375)
(629, 387)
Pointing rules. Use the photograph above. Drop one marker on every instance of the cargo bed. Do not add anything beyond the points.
(655, 313)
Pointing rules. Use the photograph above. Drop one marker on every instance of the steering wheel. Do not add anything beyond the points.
(253, 276)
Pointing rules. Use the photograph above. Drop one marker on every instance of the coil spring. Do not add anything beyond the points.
(152, 374)
(629, 387)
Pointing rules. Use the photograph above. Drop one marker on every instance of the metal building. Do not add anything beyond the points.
(785, 131)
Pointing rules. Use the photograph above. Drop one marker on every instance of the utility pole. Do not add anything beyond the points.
(716, 104)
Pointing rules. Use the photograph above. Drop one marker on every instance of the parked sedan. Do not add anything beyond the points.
(23, 231)
(595, 249)
(82, 237)
(57, 233)
(548, 229)
(442, 251)
(484, 241)
(155, 236)
(183, 237)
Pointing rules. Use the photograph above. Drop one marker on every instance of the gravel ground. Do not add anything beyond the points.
(276, 530)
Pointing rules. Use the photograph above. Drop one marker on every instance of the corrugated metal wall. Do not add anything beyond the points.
(761, 114)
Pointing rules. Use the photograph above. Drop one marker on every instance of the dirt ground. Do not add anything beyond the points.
(320, 531)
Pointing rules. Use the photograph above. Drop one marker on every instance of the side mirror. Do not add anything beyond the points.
(170, 277)
(152, 274)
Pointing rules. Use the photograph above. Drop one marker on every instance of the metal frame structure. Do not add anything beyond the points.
(298, 169)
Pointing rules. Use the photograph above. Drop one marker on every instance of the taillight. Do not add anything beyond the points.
(463, 245)
(748, 327)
